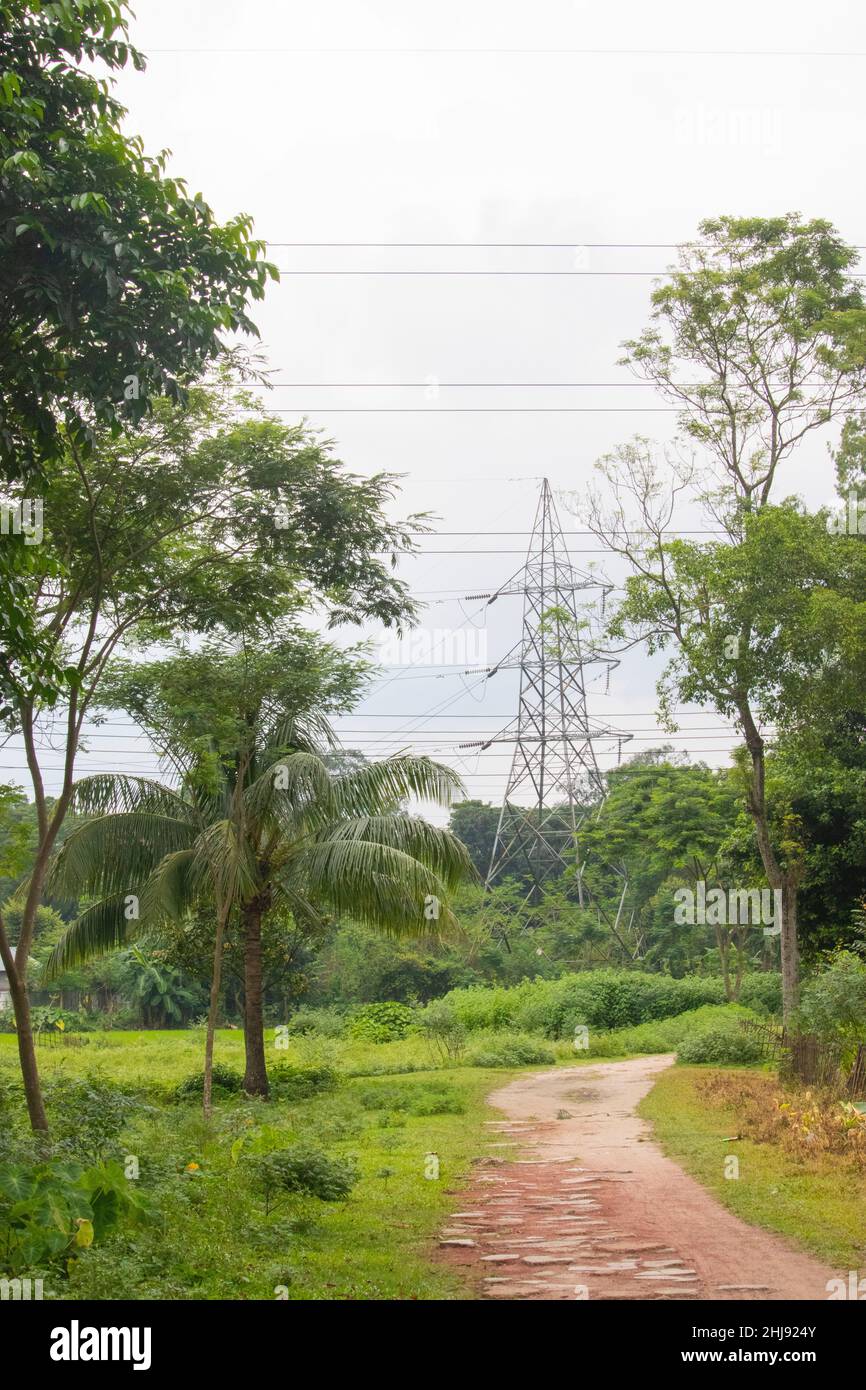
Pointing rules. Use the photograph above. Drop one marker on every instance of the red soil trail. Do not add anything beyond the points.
(593, 1209)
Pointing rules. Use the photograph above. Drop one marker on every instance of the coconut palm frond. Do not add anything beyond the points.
(305, 912)
(116, 853)
(375, 883)
(223, 864)
(112, 792)
(103, 927)
(382, 786)
(292, 786)
(171, 890)
(432, 845)
(307, 733)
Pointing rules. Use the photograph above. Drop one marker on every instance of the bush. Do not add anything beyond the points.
(762, 991)
(87, 1115)
(300, 1083)
(444, 1031)
(664, 1034)
(510, 1050)
(381, 1023)
(600, 999)
(723, 1044)
(327, 1023)
(224, 1079)
(302, 1170)
(833, 1004)
(420, 1099)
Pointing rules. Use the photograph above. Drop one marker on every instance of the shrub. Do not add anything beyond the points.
(801, 1121)
(833, 1003)
(327, 1023)
(417, 1099)
(302, 1170)
(721, 1044)
(224, 1079)
(444, 1031)
(762, 990)
(380, 1023)
(664, 1034)
(600, 999)
(510, 1050)
(87, 1115)
(300, 1083)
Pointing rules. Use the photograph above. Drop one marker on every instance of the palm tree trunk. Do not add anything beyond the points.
(256, 1074)
(213, 1011)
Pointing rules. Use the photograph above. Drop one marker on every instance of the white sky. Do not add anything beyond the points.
(551, 146)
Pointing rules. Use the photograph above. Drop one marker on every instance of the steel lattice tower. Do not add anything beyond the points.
(555, 779)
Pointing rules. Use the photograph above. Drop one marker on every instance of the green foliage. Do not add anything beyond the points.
(87, 1115)
(118, 284)
(600, 999)
(292, 1083)
(833, 1002)
(160, 992)
(357, 965)
(442, 1028)
(381, 1023)
(301, 1170)
(52, 1210)
(509, 1050)
(665, 1034)
(111, 267)
(727, 1045)
(475, 822)
(224, 1079)
(766, 316)
(326, 1023)
(414, 1098)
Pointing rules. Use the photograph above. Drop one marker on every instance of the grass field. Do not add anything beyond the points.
(210, 1237)
(820, 1207)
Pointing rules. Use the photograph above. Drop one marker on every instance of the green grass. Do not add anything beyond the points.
(822, 1210)
(212, 1240)
(167, 1055)
(663, 1034)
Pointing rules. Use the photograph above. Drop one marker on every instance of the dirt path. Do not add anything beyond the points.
(594, 1209)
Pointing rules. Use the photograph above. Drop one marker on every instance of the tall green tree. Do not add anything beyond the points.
(117, 285)
(765, 631)
(210, 516)
(758, 337)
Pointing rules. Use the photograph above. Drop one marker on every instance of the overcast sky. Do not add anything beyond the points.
(294, 114)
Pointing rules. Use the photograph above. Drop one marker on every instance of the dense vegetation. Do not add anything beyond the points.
(251, 1002)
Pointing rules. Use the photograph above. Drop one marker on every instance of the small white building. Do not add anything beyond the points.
(5, 993)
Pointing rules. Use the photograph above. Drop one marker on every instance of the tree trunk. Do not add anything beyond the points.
(786, 880)
(790, 948)
(24, 1030)
(256, 1074)
(213, 1011)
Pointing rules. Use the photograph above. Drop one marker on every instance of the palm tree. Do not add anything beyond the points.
(276, 827)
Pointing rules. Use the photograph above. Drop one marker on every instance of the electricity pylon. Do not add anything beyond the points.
(555, 779)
